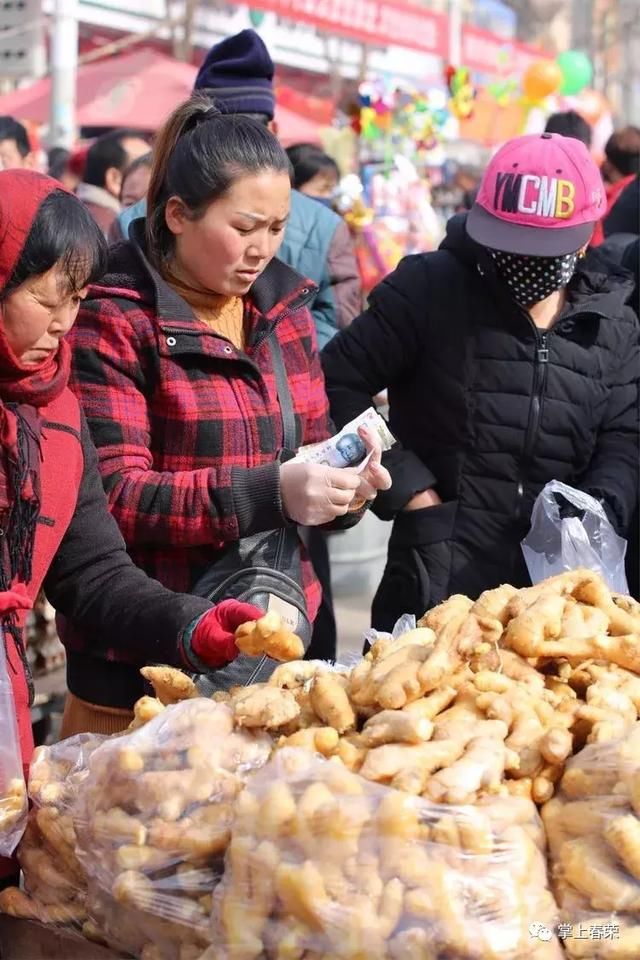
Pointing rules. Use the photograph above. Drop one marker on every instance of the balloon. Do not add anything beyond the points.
(591, 105)
(367, 116)
(541, 79)
(502, 92)
(256, 17)
(577, 72)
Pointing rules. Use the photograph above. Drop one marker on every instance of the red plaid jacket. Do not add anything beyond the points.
(188, 428)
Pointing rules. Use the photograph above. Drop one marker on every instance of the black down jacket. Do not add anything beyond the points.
(487, 409)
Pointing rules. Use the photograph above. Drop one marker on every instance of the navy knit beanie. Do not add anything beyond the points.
(237, 75)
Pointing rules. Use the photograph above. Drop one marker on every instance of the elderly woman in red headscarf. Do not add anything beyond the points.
(55, 527)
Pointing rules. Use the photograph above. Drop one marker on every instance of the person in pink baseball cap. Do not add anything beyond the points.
(540, 196)
(511, 358)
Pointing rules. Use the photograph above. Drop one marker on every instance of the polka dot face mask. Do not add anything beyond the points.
(532, 279)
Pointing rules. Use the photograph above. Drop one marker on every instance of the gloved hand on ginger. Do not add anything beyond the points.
(211, 641)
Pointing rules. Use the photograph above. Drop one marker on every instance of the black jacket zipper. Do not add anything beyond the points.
(535, 411)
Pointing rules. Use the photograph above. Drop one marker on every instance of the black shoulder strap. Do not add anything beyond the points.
(289, 425)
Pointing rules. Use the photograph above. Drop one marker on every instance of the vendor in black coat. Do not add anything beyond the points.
(510, 360)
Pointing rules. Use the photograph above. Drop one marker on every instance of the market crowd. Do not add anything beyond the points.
(177, 321)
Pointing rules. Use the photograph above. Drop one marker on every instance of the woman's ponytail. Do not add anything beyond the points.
(182, 121)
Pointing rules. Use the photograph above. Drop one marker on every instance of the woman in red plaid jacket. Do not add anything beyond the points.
(176, 379)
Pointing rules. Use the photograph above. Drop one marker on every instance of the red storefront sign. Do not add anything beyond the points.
(405, 24)
(485, 52)
(380, 22)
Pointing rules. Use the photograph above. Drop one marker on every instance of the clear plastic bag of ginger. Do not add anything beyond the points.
(593, 833)
(54, 885)
(324, 864)
(13, 790)
(153, 822)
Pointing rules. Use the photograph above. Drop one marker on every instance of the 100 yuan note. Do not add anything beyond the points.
(347, 449)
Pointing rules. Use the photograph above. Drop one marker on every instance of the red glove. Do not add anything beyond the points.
(15, 599)
(213, 637)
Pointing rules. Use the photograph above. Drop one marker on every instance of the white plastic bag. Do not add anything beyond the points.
(13, 790)
(555, 544)
(405, 624)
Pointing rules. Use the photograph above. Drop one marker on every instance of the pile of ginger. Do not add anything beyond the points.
(483, 698)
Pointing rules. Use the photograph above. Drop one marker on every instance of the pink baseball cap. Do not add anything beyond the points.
(540, 196)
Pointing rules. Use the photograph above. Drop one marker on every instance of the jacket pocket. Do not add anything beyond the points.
(418, 568)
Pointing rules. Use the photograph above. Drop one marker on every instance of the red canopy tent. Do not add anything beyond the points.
(135, 89)
(294, 128)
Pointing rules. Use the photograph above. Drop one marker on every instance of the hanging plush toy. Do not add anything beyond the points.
(462, 91)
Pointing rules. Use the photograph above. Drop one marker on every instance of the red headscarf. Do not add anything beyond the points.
(21, 194)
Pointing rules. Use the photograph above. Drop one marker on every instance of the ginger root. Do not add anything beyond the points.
(16, 903)
(294, 675)
(13, 804)
(329, 700)
(169, 684)
(323, 740)
(268, 636)
(480, 769)
(591, 869)
(623, 836)
(266, 707)
(144, 710)
(395, 726)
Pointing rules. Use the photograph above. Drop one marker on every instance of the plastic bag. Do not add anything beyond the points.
(593, 832)
(13, 790)
(554, 545)
(54, 881)
(152, 821)
(405, 624)
(322, 863)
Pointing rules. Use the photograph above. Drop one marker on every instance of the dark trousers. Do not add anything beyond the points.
(324, 639)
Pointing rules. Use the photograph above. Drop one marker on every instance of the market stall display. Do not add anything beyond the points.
(386, 810)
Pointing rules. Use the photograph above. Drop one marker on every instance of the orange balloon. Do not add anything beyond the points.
(541, 79)
(591, 105)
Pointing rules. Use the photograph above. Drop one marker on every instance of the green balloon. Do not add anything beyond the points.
(577, 71)
(256, 17)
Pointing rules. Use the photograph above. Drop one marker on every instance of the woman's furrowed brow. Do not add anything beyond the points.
(258, 218)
